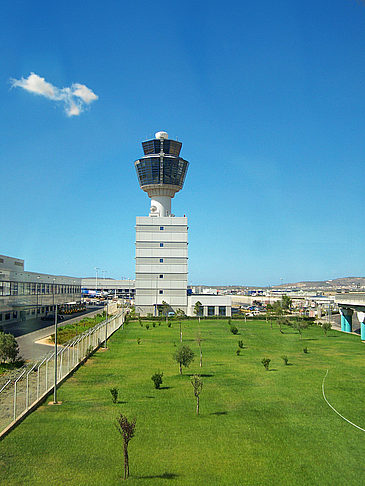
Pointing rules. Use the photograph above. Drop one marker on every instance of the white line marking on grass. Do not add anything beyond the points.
(338, 413)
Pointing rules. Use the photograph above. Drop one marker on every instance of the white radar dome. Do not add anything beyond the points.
(161, 135)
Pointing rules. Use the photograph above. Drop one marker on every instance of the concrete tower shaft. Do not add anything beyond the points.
(161, 172)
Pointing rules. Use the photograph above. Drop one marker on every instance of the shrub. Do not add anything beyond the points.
(169, 324)
(233, 329)
(240, 344)
(139, 340)
(140, 322)
(9, 348)
(154, 324)
(147, 326)
(305, 350)
(326, 326)
(157, 379)
(266, 363)
(229, 321)
(89, 351)
(238, 352)
(285, 359)
(114, 392)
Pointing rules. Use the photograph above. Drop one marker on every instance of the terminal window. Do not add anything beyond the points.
(161, 245)
(161, 276)
(161, 260)
(161, 228)
(161, 291)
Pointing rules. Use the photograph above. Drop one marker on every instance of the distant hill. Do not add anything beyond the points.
(347, 282)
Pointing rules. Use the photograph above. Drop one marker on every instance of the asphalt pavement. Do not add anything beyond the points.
(28, 332)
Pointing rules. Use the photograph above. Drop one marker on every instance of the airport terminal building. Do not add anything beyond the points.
(29, 295)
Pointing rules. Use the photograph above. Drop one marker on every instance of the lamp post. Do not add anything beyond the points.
(55, 357)
(96, 282)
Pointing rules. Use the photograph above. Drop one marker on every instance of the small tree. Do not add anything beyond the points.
(326, 326)
(9, 348)
(286, 302)
(300, 324)
(184, 356)
(199, 341)
(147, 326)
(269, 314)
(179, 315)
(285, 359)
(165, 310)
(157, 379)
(266, 363)
(233, 329)
(240, 344)
(114, 393)
(197, 309)
(126, 430)
(277, 310)
(197, 383)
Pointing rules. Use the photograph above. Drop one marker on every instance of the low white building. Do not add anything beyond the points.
(211, 305)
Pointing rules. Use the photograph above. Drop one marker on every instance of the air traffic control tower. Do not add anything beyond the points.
(161, 237)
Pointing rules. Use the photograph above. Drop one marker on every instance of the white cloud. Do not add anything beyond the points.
(84, 93)
(74, 98)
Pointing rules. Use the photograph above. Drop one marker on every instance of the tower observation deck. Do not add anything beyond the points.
(161, 172)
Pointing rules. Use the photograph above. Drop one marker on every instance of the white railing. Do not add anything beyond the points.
(22, 393)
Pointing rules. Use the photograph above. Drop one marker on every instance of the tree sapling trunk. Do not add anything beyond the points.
(126, 430)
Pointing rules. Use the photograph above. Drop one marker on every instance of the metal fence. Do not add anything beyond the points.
(23, 391)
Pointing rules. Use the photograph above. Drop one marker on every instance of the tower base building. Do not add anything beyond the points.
(161, 264)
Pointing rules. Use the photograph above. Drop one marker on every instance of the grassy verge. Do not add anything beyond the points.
(256, 427)
(69, 331)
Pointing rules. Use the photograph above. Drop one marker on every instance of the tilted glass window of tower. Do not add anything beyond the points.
(161, 163)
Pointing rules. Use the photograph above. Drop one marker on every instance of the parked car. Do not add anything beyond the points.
(50, 317)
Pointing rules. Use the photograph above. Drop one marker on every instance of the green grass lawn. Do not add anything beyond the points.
(256, 427)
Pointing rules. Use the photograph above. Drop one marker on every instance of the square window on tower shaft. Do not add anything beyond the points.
(161, 276)
(161, 291)
(161, 260)
(161, 245)
(161, 228)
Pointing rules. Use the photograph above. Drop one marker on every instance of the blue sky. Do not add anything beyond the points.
(267, 97)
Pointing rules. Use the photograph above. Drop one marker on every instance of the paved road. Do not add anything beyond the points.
(29, 350)
(31, 325)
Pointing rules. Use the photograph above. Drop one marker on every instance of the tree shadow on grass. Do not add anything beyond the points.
(332, 336)
(309, 339)
(203, 375)
(147, 396)
(165, 387)
(121, 402)
(165, 475)
(219, 413)
(272, 369)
